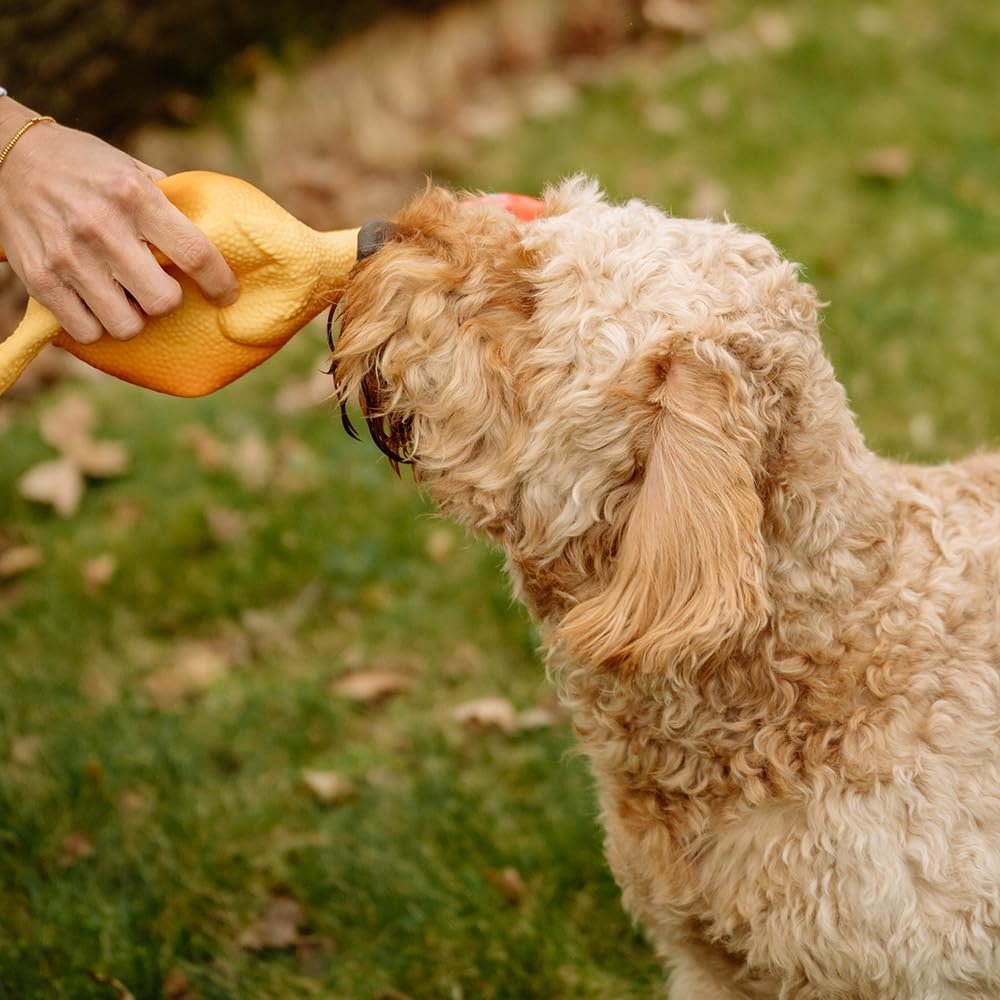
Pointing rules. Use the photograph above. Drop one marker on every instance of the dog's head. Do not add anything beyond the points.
(601, 391)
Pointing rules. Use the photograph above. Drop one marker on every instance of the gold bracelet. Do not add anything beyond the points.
(17, 135)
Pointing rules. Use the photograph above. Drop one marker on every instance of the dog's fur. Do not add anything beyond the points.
(781, 652)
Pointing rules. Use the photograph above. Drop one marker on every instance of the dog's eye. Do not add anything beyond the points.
(373, 235)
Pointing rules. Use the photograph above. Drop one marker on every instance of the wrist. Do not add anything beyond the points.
(13, 115)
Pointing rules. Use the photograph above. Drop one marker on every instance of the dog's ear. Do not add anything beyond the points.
(686, 583)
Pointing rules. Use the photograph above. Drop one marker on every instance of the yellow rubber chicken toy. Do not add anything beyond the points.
(288, 274)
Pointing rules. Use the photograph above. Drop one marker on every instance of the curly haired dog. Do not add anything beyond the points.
(781, 651)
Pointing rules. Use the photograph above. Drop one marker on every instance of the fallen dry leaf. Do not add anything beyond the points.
(508, 883)
(922, 430)
(71, 419)
(313, 955)
(177, 986)
(370, 686)
(683, 17)
(277, 630)
(98, 459)
(122, 992)
(487, 713)
(226, 525)
(276, 927)
(76, 846)
(708, 200)
(124, 514)
(252, 460)
(329, 787)
(192, 669)
(24, 750)
(57, 482)
(97, 686)
(303, 395)
(19, 559)
(886, 163)
(440, 544)
(209, 450)
(97, 572)
(773, 30)
(664, 118)
(536, 718)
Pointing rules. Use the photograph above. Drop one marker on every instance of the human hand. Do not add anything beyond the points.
(77, 219)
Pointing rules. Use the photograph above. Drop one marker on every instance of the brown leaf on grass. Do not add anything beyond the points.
(209, 450)
(313, 955)
(76, 846)
(68, 427)
(226, 525)
(305, 394)
(708, 200)
(276, 927)
(19, 559)
(70, 420)
(487, 713)
(682, 17)
(57, 482)
(24, 750)
(125, 514)
(98, 687)
(277, 630)
(329, 787)
(547, 95)
(122, 992)
(177, 986)
(98, 459)
(664, 118)
(191, 670)
(536, 718)
(508, 883)
(773, 30)
(440, 544)
(886, 163)
(298, 469)
(97, 572)
(252, 460)
(370, 686)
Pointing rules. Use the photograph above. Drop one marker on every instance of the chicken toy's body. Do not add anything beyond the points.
(288, 273)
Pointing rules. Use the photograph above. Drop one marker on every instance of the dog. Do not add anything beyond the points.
(781, 651)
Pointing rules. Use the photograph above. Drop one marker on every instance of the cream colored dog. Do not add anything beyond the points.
(781, 652)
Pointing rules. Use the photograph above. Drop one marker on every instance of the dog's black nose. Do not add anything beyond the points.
(373, 235)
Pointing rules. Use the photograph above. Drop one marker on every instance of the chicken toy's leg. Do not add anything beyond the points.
(36, 330)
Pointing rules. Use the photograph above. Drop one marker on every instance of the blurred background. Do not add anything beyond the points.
(268, 726)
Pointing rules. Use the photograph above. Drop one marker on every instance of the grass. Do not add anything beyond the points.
(140, 836)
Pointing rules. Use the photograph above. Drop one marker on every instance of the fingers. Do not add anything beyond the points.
(104, 290)
(155, 291)
(67, 307)
(167, 228)
(108, 302)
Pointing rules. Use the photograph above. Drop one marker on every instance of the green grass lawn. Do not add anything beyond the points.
(154, 727)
